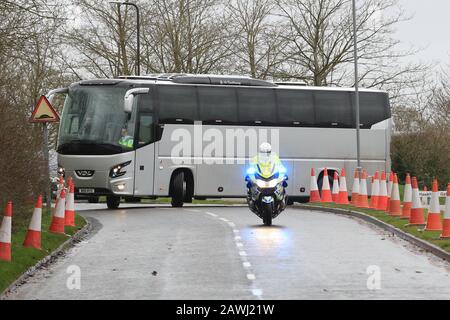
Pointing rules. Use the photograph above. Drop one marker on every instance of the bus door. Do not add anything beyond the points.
(145, 155)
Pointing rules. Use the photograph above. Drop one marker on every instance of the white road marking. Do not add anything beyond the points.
(243, 254)
(211, 214)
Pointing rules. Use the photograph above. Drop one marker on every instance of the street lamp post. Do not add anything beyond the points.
(138, 49)
(358, 125)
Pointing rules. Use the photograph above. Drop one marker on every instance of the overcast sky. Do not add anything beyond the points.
(429, 28)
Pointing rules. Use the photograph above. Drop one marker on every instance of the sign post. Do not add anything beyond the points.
(44, 113)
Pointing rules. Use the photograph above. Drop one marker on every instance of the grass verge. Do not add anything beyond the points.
(24, 258)
(431, 237)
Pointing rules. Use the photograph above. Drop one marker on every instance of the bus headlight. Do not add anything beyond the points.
(117, 171)
(61, 171)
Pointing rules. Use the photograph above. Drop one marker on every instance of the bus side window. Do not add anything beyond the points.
(296, 107)
(146, 129)
(257, 106)
(178, 104)
(334, 109)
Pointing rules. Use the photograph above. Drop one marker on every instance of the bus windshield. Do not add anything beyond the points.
(94, 122)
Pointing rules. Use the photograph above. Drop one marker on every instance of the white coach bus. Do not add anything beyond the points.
(181, 136)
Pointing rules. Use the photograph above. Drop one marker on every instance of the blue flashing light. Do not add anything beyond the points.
(282, 169)
(251, 171)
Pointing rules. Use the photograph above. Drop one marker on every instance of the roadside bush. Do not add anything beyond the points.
(22, 163)
(425, 154)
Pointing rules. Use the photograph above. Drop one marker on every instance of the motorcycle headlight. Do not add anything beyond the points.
(117, 171)
(267, 184)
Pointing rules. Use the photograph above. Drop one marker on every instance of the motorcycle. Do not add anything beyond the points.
(266, 191)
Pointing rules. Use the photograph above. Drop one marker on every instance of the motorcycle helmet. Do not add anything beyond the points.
(265, 151)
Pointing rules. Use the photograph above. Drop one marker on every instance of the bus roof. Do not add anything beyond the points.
(217, 80)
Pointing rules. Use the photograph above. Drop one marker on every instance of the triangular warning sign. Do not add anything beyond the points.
(44, 112)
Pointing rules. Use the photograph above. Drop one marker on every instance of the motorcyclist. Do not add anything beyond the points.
(266, 162)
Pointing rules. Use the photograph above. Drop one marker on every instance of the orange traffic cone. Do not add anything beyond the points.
(407, 198)
(69, 214)
(395, 208)
(33, 237)
(314, 195)
(343, 193)
(383, 197)
(417, 217)
(58, 219)
(355, 189)
(363, 201)
(335, 193)
(375, 191)
(446, 230)
(389, 191)
(434, 222)
(326, 192)
(5, 234)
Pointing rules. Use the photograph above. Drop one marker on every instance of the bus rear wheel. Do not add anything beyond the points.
(178, 188)
(112, 202)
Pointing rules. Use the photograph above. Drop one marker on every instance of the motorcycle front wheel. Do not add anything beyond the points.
(267, 213)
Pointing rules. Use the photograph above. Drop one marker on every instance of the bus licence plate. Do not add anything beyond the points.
(87, 191)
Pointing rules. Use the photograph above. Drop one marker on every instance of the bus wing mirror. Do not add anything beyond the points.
(129, 98)
(51, 94)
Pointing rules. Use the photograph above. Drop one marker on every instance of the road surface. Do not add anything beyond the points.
(198, 252)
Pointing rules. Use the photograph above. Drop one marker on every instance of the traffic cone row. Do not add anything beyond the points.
(338, 194)
(385, 197)
(64, 215)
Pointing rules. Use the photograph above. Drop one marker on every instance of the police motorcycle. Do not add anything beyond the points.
(266, 185)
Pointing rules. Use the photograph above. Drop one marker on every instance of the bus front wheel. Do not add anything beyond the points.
(178, 188)
(112, 202)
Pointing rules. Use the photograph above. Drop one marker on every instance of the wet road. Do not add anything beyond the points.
(223, 253)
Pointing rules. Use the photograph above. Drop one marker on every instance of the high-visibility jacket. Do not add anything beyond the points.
(267, 168)
(127, 141)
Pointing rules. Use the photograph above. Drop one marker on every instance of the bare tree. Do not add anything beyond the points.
(102, 40)
(258, 45)
(321, 43)
(187, 36)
